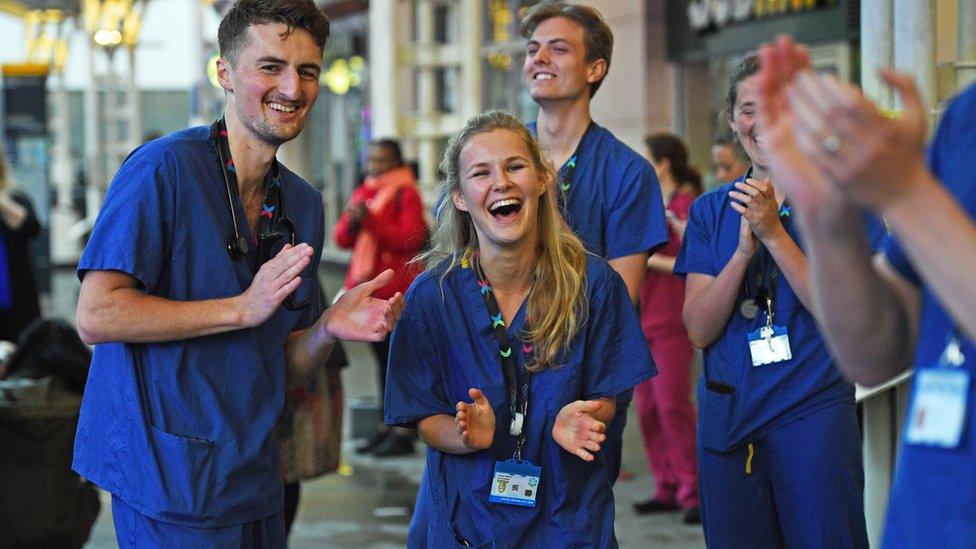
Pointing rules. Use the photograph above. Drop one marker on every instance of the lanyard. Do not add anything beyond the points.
(516, 379)
(569, 169)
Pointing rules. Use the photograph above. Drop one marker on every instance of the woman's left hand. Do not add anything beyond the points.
(756, 201)
(577, 431)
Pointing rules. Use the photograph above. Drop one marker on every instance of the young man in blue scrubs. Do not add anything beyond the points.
(914, 306)
(609, 192)
(199, 292)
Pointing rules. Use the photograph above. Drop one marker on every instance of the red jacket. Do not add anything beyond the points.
(400, 231)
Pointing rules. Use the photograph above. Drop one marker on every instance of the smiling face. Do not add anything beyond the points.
(744, 122)
(727, 163)
(273, 83)
(500, 188)
(555, 62)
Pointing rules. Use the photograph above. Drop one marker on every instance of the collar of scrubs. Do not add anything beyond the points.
(568, 169)
(516, 379)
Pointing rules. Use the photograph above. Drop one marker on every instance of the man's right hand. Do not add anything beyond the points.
(275, 280)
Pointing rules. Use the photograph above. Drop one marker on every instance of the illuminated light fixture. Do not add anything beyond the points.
(212, 70)
(107, 38)
(112, 23)
(344, 74)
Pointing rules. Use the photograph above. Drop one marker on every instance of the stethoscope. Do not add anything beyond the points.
(271, 241)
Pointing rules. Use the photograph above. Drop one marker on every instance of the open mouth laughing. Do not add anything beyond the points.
(505, 209)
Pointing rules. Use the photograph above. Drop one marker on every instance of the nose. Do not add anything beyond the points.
(501, 181)
(289, 83)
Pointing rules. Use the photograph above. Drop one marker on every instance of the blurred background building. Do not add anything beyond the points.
(85, 81)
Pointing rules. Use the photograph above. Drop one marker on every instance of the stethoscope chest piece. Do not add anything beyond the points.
(237, 246)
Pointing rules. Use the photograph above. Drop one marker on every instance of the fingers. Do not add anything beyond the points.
(381, 280)
(913, 106)
(477, 397)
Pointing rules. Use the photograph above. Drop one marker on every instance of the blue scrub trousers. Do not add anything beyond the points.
(803, 486)
(135, 530)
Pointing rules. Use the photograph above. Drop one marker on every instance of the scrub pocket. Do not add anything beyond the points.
(715, 404)
(181, 483)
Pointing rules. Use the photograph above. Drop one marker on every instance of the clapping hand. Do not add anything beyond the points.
(358, 316)
(577, 431)
(475, 421)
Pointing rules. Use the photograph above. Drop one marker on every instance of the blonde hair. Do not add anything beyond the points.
(557, 304)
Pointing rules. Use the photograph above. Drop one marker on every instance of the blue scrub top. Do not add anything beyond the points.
(766, 396)
(182, 430)
(443, 345)
(933, 497)
(614, 202)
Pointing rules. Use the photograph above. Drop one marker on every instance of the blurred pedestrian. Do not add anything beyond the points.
(44, 503)
(18, 289)
(384, 225)
(729, 161)
(664, 409)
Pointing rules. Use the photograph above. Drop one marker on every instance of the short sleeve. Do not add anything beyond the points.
(616, 357)
(414, 384)
(635, 222)
(133, 231)
(695, 255)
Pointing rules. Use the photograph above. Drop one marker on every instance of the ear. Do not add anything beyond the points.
(596, 71)
(224, 69)
(458, 201)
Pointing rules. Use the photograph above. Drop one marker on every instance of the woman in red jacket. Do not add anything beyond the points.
(384, 226)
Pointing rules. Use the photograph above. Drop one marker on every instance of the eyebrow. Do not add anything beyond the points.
(506, 161)
(280, 61)
(552, 41)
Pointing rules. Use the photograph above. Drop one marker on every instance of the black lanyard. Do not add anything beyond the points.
(569, 169)
(516, 379)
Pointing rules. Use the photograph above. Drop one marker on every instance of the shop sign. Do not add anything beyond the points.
(703, 14)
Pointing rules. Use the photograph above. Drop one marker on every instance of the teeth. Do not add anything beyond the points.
(280, 107)
(506, 202)
(544, 76)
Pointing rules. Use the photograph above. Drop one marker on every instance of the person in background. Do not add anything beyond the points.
(608, 192)
(44, 503)
(664, 409)
(384, 226)
(199, 290)
(729, 161)
(913, 305)
(779, 446)
(513, 346)
(19, 304)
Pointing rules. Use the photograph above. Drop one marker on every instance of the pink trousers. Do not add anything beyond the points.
(667, 421)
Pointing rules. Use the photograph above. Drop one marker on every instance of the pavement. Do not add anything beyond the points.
(368, 502)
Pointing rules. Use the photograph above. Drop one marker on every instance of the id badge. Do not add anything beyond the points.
(938, 411)
(769, 344)
(515, 483)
